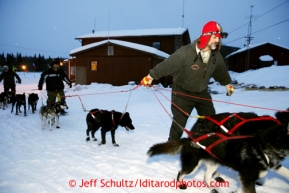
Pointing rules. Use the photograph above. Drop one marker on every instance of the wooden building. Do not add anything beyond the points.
(245, 59)
(118, 57)
(114, 61)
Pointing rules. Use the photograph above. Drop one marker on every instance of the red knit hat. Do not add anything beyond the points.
(209, 29)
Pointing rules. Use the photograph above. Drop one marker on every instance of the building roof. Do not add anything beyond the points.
(131, 45)
(253, 46)
(136, 32)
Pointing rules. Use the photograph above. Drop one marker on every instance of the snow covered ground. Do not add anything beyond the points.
(35, 160)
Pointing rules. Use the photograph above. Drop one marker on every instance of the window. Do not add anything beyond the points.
(93, 65)
(72, 70)
(110, 51)
(157, 45)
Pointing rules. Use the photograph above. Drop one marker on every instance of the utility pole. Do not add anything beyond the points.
(249, 38)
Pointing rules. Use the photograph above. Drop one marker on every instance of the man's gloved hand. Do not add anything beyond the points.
(39, 87)
(18, 81)
(70, 85)
(230, 89)
(147, 81)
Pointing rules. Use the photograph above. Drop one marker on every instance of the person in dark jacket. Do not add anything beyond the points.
(192, 67)
(8, 76)
(54, 77)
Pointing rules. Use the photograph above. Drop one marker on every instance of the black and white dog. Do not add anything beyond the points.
(250, 156)
(32, 101)
(51, 113)
(3, 100)
(108, 121)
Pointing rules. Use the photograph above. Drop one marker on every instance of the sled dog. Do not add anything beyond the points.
(20, 99)
(251, 156)
(32, 101)
(51, 114)
(107, 121)
(3, 100)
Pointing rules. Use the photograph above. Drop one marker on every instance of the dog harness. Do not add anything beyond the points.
(211, 146)
(100, 111)
(223, 137)
(242, 121)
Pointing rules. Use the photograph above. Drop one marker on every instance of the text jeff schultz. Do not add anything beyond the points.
(147, 183)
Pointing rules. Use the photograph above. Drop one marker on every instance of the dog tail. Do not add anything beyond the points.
(169, 147)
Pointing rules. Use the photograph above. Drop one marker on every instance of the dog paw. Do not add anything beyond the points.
(25, 115)
(115, 145)
(94, 139)
(219, 179)
(214, 191)
(87, 139)
(57, 127)
(183, 186)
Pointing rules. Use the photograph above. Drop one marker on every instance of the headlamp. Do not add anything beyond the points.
(222, 34)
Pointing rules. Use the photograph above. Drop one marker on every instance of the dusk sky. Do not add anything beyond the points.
(49, 27)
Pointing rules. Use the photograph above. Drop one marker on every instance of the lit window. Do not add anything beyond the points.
(110, 50)
(93, 65)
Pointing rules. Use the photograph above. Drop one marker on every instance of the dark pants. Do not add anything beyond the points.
(13, 89)
(51, 97)
(187, 104)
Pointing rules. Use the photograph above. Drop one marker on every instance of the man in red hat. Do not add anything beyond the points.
(192, 67)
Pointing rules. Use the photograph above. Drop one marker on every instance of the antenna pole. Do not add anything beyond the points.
(249, 38)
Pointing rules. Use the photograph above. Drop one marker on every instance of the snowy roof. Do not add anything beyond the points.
(254, 46)
(137, 32)
(135, 46)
